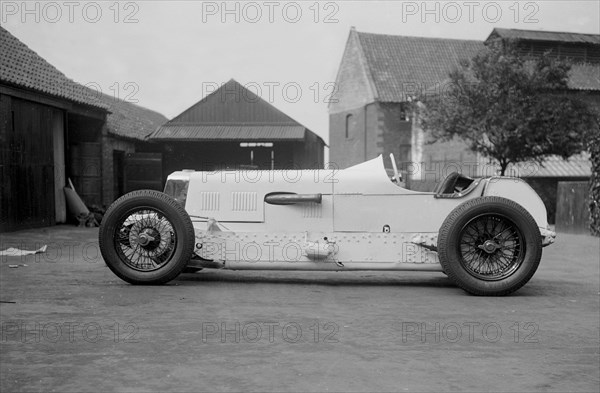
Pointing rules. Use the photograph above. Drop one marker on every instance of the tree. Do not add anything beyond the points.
(509, 108)
(594, 195)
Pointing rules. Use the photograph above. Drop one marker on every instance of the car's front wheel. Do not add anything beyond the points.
(490, 246)
(146, 237)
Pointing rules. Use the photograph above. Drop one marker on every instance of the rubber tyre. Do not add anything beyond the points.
(173, 211)
(449, 245)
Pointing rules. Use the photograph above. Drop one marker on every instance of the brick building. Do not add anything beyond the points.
(377, 77)
(53, 129)
(380, 74)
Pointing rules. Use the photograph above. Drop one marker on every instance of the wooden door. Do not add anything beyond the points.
(28, 191)
(143, 171)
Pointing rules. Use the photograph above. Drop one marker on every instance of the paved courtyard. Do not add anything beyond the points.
(69, 325)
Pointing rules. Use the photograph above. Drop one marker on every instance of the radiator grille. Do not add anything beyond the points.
(210, 201)
(244, 201)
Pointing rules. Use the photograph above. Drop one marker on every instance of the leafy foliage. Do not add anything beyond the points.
(594, 195)
(510, 108)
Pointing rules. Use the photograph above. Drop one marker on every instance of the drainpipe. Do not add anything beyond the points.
(366, 131)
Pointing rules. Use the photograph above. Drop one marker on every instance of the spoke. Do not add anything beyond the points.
(501, 233)
(153, 255)
(496, 225)
(488, 223)
(503, 265)
(474, 234)
(503, 260)
(473, 259)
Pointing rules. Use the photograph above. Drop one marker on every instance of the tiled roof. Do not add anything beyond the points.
(537, 35)
(254, 133)
(554, 166)
(129, 120)
(231, 113)
(584, 77)
(22, 67)
(401, 66)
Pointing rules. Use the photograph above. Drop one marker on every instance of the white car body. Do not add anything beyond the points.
(350, 219)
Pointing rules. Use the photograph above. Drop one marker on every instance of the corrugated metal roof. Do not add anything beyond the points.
(554, 166)
(584, 77)
(232, 113)
(259, 133)
(401, 65)
(233, 103)
(21, 66)
(537, 35)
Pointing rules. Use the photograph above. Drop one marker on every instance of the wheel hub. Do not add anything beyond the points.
(148, 237)
(489, 246)
(145, 240)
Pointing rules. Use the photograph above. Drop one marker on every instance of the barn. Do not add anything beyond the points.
(233, 128)
(53, 129)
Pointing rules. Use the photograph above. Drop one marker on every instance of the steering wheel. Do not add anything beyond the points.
(396, 174)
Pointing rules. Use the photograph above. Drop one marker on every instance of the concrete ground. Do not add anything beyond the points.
(69, 325)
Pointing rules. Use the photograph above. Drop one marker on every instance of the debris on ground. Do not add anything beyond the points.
(86, 217)
(16, 252)
(87, 220)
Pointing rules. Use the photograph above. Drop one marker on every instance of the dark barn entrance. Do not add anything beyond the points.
(42, 146)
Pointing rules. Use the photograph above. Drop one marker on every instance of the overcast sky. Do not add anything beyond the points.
(168, 54)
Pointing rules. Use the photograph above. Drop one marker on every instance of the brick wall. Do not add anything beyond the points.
(432, 161)
(394, 134)
(352, 86)
(355, 136)
(383, 128)
(353, 97)
(442, 158)
(347, 148)
(378, 128)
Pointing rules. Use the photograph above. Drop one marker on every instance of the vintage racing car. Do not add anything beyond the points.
(486, 234)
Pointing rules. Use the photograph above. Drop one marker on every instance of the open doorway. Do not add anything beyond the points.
(118, 173)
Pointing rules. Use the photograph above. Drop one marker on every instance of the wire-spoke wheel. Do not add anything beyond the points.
(489, 246)
(146, 237)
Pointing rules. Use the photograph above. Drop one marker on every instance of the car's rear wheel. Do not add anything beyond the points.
(146, 237)
(490, 246)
